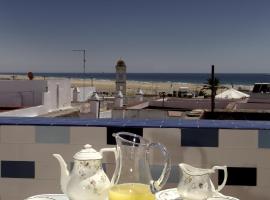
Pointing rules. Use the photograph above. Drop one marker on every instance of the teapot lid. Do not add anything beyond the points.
(87, 153)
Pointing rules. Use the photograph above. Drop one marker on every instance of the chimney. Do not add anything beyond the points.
(139, 95)
(119, 100)
(95, 104)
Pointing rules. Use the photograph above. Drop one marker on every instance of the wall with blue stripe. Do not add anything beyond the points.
(28, 168)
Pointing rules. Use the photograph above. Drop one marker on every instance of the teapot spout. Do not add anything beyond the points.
(64, 172)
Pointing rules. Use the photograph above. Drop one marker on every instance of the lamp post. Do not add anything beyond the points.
(84, 61)
(213, 88)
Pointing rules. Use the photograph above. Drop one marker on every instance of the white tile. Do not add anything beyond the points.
(263, 177)
(23, 188)
(247, 192)
(235, 157)
(262, 158)
(46, 170)
(0, 138)
(96, 136)
(207, 157)
(38, 152)
(10, 151)
(199, 156)
(109, 157)
(170, 137)
(231, 138)
(17, 134)
(109, 168)
(156, 157)
(203, 157)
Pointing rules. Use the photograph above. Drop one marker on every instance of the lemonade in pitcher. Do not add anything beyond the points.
(132, 179)
(131, 191)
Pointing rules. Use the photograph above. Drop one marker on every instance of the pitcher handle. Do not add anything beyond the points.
(116, 161)
(158, 184)
(224, 168)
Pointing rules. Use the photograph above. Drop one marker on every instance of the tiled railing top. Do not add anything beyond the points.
(169, 123)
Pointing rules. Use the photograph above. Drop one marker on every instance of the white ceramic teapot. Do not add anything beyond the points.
(87, 181)
(195, 183)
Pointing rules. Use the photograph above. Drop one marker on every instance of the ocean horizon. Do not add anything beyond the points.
(196, 78)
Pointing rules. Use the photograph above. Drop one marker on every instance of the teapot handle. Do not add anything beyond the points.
(224, 168)
(158, 184)
(116, 160)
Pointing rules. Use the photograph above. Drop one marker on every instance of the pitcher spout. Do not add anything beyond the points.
(64, 172)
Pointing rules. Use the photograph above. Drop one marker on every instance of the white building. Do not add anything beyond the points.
(30, 98)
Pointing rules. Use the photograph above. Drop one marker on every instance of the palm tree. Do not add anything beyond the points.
(208, 85)
(212, 84)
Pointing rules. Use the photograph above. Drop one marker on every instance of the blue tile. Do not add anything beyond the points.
(111, 130)
(156, 171)
(118, 123)
(172, 123)
(188, 123)
(262, 125)
(52, 134)
(135, 123)
(242, 176)
(151, 123)
(209, 124)
(199, 137)
(264, 139)
(17, 169)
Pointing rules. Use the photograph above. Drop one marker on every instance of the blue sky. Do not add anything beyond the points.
(174, 36)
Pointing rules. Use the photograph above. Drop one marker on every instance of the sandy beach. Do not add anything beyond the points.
(132, 86)
(109, 85)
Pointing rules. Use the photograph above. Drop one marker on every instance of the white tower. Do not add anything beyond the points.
(76, 93)
(121, 77)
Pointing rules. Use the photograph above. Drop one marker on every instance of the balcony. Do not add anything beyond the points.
(27, 145)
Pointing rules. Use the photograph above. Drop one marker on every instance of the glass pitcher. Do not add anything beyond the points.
(132, 179)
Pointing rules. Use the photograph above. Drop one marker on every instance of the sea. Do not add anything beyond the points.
(196, 78)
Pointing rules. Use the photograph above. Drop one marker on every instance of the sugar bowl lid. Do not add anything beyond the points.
(87, 153)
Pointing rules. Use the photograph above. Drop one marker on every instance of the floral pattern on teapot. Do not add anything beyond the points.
(86, 168)
(96, 184)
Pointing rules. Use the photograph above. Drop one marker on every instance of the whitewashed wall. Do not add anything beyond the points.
(33, 146)
(41, 97)
(26, 92)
